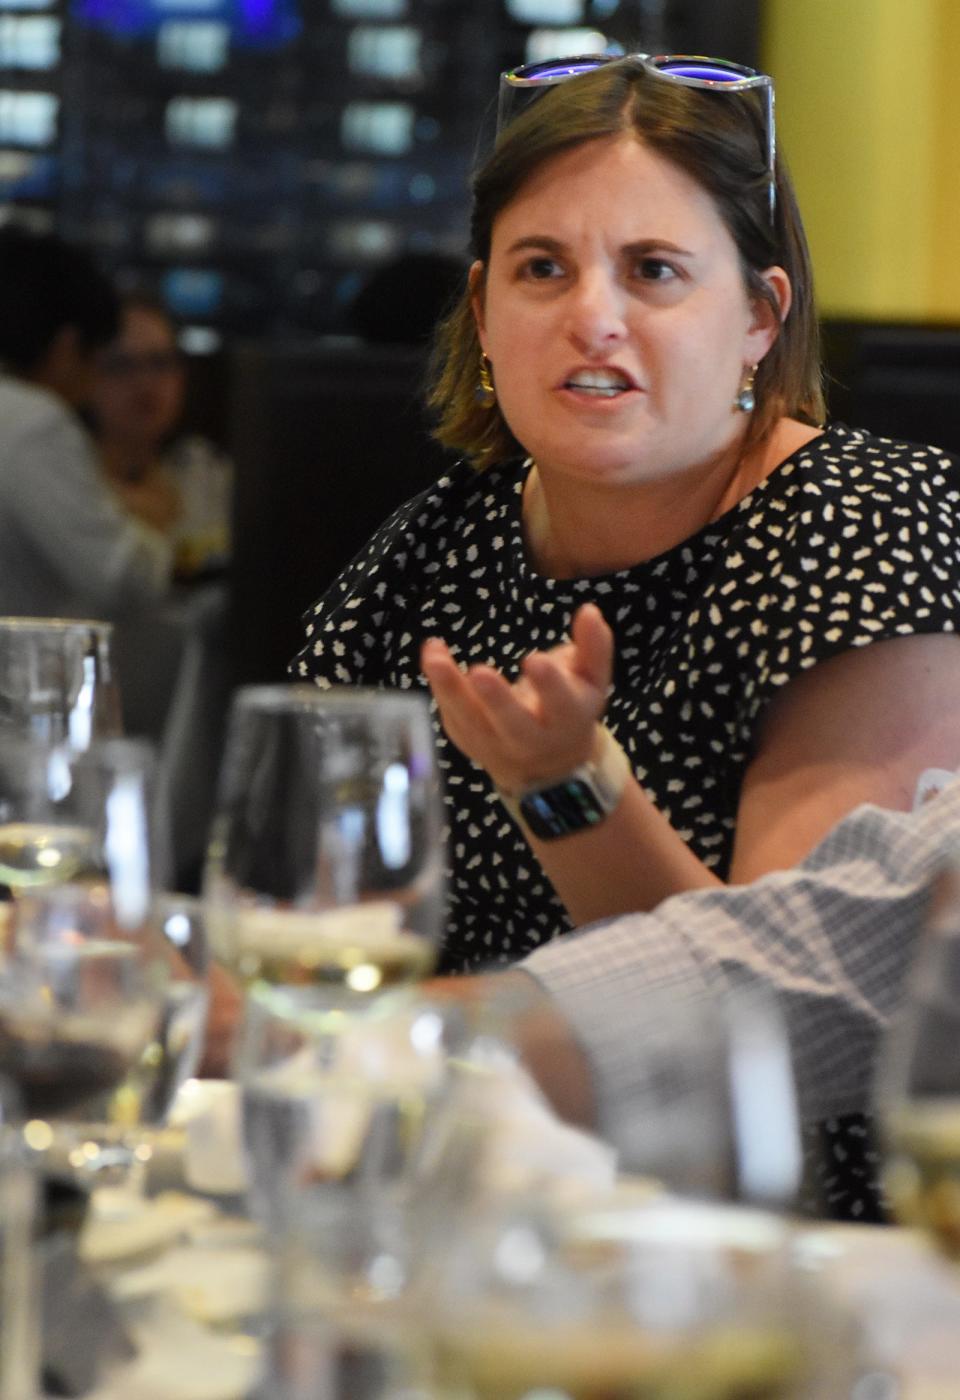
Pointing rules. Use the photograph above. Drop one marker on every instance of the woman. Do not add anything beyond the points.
(653, 526)
(780, 595)
(179, 485)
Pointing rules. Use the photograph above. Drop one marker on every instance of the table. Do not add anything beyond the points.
(189, 1277)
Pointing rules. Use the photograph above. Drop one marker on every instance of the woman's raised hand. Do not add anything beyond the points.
(544, 724)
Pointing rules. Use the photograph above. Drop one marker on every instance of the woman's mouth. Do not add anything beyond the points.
(599, 383)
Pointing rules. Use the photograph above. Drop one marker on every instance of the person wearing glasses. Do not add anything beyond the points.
(66, 548)
(675, 626)
(181, 485)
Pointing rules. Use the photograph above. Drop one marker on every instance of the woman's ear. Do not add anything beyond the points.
(477, 282)
(769, 314)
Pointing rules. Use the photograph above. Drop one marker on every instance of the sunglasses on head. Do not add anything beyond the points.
(520, 85)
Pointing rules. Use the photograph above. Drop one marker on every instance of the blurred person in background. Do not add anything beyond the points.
(653, 524)
(67, 548)
(178, 484)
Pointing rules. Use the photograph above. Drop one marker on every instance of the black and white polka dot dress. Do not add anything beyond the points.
(851, 540)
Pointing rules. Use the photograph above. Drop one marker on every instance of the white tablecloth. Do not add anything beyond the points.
(188, 1279)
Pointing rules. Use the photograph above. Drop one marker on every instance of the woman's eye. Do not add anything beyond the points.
(539, 269)
(655, 270)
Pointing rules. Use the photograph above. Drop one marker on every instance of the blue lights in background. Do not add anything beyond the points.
(253, 24)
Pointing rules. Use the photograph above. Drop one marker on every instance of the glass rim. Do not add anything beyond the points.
(311, 699)
(55, 624)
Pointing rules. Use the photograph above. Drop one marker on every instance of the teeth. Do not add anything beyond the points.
(604, 383)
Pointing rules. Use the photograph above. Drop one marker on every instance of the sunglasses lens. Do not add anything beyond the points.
(555, 70)
(704, 72)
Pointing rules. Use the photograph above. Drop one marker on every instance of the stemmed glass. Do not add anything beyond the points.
(85, 977)
(325, 867)
(116, 1149)
(81, 995)
(918, 1081)
(670, 1298)
(57, 681)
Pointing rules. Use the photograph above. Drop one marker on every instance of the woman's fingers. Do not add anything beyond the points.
(593, 641)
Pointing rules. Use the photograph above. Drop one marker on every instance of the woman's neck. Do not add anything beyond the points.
(582, 530)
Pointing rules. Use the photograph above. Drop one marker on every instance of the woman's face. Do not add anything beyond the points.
(616, 318)
(138, 395)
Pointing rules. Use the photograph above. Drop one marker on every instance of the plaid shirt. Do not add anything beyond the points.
(831, 939)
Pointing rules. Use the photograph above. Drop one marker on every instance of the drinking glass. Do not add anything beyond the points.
(117, 1150)
(335, 1117)
(325, 864)
(918, 1081)
(81, 997)
(57, 681)
(597, 1299)
(333, 1127)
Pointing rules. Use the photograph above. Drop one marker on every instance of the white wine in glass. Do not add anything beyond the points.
(71, 815)
(325, 866)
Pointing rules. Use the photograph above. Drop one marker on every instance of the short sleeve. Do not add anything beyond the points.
(868, 552)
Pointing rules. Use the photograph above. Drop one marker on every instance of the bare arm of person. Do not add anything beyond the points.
(542, 1036)
(859, 727)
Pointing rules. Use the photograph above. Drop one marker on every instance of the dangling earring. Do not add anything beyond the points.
(746, 400)
(485, 393)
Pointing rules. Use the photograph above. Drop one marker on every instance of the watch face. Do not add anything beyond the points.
(561, 810)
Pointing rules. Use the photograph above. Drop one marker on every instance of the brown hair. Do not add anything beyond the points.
(704, 133)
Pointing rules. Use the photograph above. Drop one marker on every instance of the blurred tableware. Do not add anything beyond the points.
(81, 817)
(57, 681)
(666, 1299)
(701, 1103)
(333, 1123)
(334, 1113)
(118, 1150)
(919, 1079)
(19, 1296)
(325, 861)
(81, 997)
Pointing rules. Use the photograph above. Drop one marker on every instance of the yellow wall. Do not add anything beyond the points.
(868, 110)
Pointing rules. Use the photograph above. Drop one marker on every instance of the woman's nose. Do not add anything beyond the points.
(596, 313)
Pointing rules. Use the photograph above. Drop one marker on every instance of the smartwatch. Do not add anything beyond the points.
(580, 800)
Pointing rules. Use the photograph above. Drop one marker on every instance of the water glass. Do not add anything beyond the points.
(117, 1150)
(670, 1298)
(57, 682)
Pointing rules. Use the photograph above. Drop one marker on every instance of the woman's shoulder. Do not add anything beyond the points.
(864, 459)
(844, 470)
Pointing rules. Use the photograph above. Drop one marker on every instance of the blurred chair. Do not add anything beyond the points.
(897, 380)
(327, 439)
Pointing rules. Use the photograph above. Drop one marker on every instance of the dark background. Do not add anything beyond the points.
(256, 162)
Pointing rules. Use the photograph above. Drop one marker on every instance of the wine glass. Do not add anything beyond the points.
(116, 1151)
(69, 815)
(325, 864)
(918, 1079)
(333, 1128)
(57, 681)
(601, 1298)
(81, 995)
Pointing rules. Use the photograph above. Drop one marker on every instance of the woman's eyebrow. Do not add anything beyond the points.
(537, 240)
(645, 246)
(641, 248)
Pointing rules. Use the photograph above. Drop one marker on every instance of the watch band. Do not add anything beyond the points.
(577, 801)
